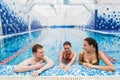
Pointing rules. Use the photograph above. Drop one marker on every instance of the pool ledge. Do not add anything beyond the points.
(60, 78)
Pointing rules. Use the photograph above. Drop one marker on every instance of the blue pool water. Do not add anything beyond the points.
(52, 40)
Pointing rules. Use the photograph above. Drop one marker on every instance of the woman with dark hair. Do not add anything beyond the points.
(67, 56)
(91, 55)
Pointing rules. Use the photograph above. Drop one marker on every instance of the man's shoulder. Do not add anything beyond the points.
(46, 57)
(28, 60)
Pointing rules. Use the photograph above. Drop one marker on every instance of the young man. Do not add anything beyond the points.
(36, 62)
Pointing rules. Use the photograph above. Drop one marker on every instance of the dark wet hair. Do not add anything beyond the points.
(36, 46)
(67, 43)
(93, 42)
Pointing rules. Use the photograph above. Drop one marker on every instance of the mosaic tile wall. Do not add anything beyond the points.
(12, 23)
(107, 18)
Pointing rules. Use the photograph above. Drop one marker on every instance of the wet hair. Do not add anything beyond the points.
(93, 42)
(67, 43)
(36, 46)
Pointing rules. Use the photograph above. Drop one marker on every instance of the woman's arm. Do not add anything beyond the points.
(61, 65)
(80, 58)
(71, 62)
(108, 67)
(60, 58)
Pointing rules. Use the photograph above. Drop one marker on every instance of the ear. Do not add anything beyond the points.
(91, 46)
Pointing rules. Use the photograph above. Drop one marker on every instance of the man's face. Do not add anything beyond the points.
(39, 53)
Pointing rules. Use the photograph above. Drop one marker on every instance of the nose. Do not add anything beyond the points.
(42, 54)
(67, 49)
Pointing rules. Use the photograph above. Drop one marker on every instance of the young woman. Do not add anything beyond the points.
(67, 56)
(90, 56)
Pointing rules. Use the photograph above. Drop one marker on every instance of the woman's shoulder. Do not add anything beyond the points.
(74, 53)
(100, 52)
(82, 52)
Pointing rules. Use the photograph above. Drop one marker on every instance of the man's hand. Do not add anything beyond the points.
(38, 65)
(36, 73)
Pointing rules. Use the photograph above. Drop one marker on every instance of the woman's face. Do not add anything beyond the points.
(87, 47)
(67, 48)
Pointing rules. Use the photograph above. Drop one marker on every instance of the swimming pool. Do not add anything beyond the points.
(52, 40)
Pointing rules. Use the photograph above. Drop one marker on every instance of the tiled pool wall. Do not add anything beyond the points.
(76, 70)
(106, 17)
(12, 22)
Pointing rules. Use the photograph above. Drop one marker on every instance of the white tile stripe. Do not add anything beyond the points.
(60, 78)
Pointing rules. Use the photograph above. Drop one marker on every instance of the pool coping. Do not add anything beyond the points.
(60, 78)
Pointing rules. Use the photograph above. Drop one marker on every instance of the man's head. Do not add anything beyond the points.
(38, 51)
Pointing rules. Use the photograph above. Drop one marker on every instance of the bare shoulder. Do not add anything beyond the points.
(101, 54)
(82, 52)
(73, 52)
(46, 57)
(62, 53)
(27, 61)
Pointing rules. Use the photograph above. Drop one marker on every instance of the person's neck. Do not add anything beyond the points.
(36, 59)
(91, 52)
(68, 52)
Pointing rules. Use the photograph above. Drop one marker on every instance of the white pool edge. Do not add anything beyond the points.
(60, 78)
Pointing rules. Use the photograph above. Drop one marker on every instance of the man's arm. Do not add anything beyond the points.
(24, 66)
(49, 64)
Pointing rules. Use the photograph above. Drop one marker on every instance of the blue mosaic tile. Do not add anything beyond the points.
(10, 17)
(78, 70)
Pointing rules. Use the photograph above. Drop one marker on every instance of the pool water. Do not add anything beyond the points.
(52, 40)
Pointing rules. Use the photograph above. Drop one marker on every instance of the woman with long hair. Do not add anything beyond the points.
(90, 56)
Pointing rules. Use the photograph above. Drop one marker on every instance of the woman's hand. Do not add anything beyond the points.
(62, 66)
(88, 65)
(66, 68)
